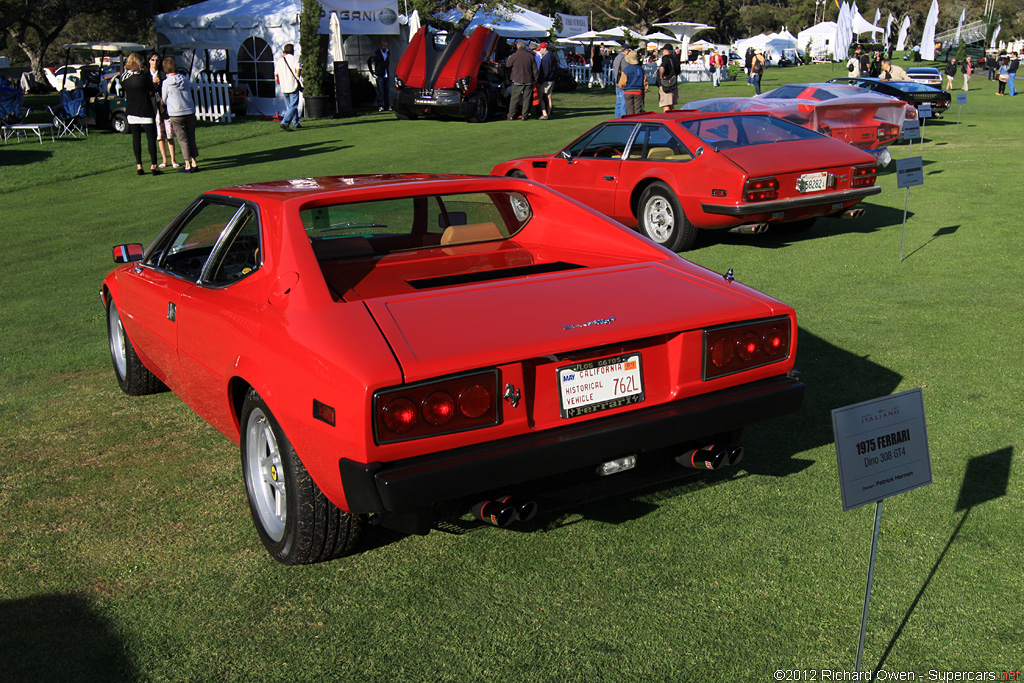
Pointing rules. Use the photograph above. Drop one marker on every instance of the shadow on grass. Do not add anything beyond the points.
(264, 156)
(987, 477)
(59, 638)
(25, 157)
(875, 218)
(941, 232)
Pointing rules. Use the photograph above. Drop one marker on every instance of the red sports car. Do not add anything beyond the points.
(384, 346)
(450, 75)
(867, 120)
(672, 173)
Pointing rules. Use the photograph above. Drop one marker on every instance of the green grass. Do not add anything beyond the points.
(128, 552)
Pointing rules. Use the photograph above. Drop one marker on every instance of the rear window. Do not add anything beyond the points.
(408, 223)
(742, 131)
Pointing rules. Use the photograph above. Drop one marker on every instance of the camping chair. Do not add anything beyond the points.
(11, 111)
(68, 117)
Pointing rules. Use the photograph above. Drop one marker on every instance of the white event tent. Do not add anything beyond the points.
(818, 40)
(774, 45)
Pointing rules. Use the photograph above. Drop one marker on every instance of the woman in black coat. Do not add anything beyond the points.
(139, 88)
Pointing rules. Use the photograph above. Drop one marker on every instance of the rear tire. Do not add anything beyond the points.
(132, 376)
(662, 220)
(119, 123)
(294, 519)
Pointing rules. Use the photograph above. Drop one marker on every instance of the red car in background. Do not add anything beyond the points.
(385, 347)
(450, 75)
(672, 173)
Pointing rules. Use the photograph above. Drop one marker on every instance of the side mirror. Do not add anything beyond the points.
(565, 155)
(127, 253)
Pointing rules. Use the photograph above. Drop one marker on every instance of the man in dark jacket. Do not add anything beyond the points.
(523, 67)
(546, 79)
(380, 69)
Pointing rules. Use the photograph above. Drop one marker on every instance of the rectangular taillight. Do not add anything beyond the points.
(863, 176)
(729, 349)
(888, 132)
(443, 406)
(761, 189)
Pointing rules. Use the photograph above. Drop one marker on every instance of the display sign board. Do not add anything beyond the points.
(881, 448)
(365, 17)
(961, 98)
(924, 111)
(909, 172)
(911, 130)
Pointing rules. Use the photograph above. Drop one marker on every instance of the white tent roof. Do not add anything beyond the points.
(862, 25)
(523, 23)
(226, 14)
(824, 28)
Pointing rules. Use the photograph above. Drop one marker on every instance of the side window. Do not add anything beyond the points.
(185, 251)
(609, 142)
(656, 143)
(238, 253)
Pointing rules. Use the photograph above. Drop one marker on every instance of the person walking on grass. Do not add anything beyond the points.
(287, 72)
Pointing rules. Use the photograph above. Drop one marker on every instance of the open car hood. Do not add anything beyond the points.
(434, 333)
(424, 66)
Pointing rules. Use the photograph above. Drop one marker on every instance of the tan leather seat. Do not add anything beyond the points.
(471, 232)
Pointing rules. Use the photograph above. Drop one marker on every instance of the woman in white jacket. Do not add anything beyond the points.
(181, 112)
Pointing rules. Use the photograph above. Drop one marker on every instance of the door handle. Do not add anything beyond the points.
(172, 311)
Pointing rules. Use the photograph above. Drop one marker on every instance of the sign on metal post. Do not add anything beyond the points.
(961, 99)
(911, 131)
(909, 172)
(882, 451)
(924, 112)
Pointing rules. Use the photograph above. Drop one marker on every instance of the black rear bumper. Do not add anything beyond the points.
(416, 484)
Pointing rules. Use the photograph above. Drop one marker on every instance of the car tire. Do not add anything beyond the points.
(515, 173)
(662, 220)
(481, 108)
(796, 226)
(119, 123)
(132, 376)
(294, 519)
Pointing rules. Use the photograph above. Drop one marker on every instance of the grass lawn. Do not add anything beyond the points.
(128, 552)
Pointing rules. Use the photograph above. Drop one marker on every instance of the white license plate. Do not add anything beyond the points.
(598, 385)
(812, 182)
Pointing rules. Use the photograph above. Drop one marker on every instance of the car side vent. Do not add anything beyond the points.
(489, 275)
(539, 164)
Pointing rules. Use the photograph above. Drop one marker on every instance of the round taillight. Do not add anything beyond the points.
(721, 352)
(474, 401)
(399, 415)
(747, 346)
(438, 408)
(774, 342)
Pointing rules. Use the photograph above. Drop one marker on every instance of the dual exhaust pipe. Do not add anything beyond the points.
(750, 229)
(853, 213)
(710, 457)
(507, 510)
(504, 511)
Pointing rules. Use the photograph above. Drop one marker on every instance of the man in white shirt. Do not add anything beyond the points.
(287, 72)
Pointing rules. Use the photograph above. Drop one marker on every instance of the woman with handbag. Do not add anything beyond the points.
(138, 89)
(757, 70)
(1004, 75)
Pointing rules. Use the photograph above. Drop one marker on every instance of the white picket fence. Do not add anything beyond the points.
(211, 97)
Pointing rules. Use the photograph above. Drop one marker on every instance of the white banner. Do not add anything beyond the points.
(365, 17)
(572, 25)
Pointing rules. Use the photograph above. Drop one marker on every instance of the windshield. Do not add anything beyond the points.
(742, 131)
(401, 224)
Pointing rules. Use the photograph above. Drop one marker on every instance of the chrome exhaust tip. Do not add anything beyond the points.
(853, 213)
(750, 229)
(525, 510)
(706, 458)
(493, 512)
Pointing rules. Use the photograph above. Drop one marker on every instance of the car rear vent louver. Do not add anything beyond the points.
(490, 275)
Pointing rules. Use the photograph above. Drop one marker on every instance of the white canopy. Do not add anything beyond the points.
(684, 31)
(817, 40)
(521, 23)
(773, 45)
(862, 25)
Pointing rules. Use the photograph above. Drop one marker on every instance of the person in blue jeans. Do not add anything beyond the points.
(287, 72)
(1012, 71)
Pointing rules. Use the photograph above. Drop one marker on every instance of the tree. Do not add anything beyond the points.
(312, 57)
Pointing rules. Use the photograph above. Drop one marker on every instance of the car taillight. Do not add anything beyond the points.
(462, 84)
(445, 406)
(398, 82)
(863, 176)
(761, 189)
(888, 131)
(734, 348)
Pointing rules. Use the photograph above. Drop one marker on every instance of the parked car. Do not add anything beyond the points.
(384, 346)
(909, 91)
(450, 75)
(670, 174)
(928, 75)
(867, 120)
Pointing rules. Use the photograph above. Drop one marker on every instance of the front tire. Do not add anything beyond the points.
(132, 376)
(515, 173)
(119, 122)
(662, 220)
(294, 520)
(482, 108)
